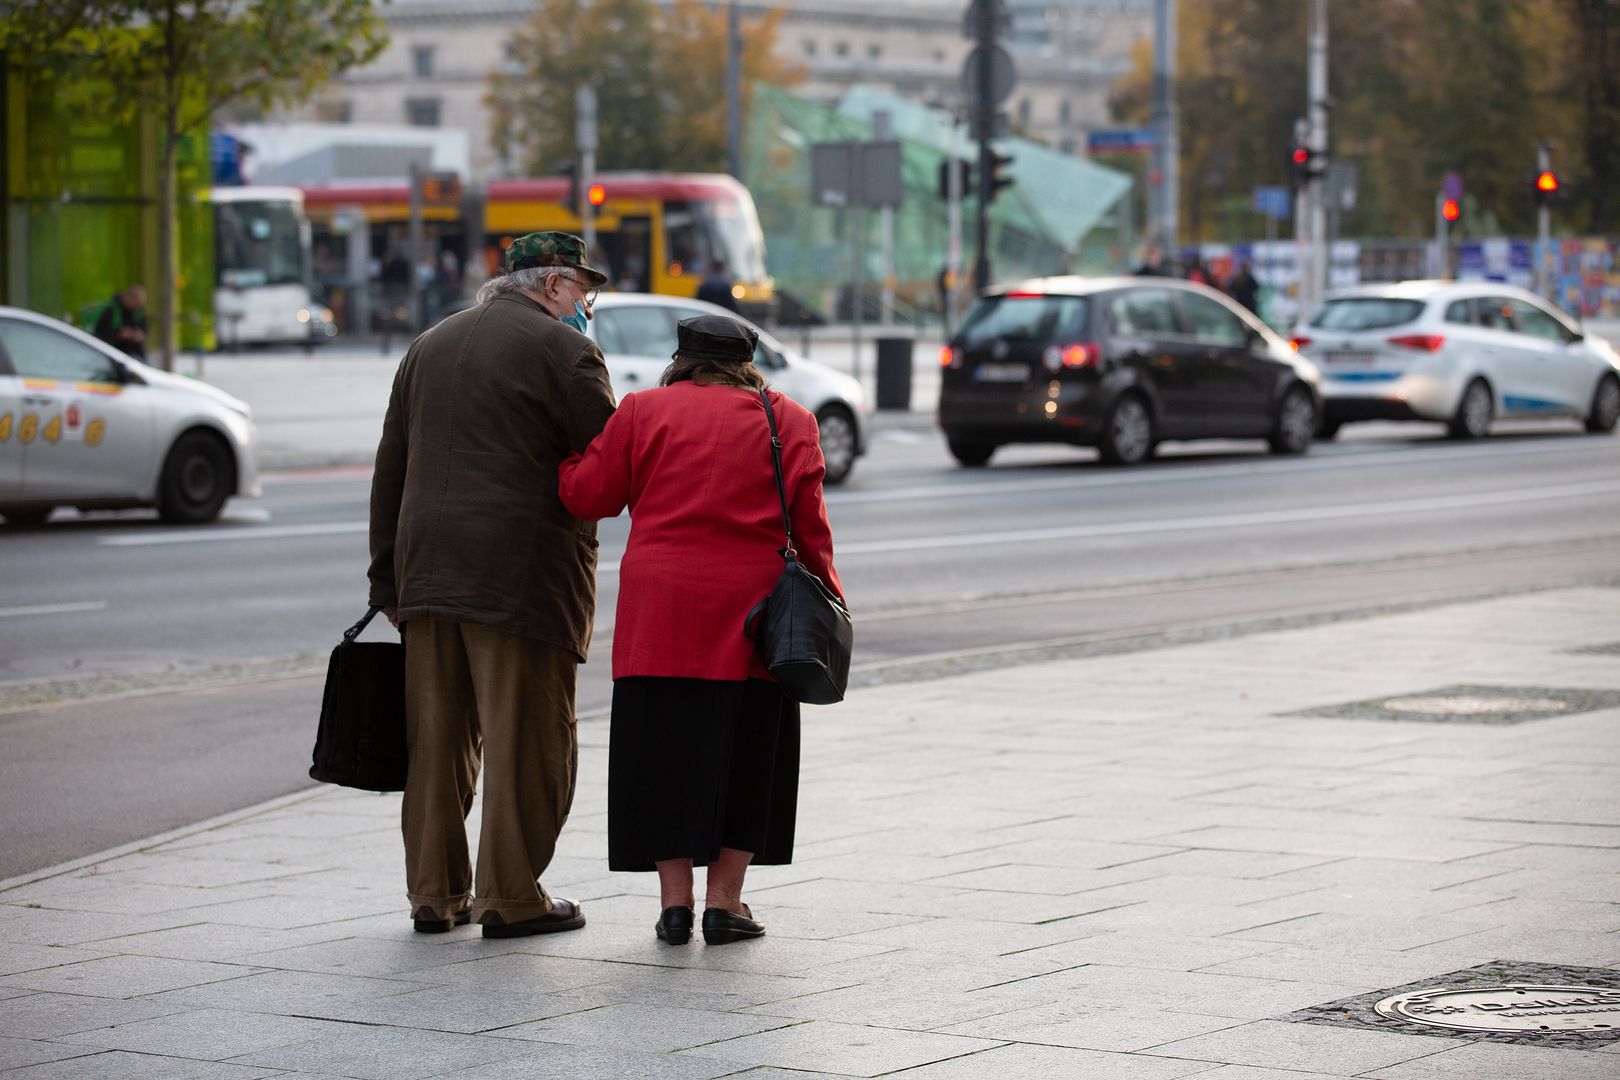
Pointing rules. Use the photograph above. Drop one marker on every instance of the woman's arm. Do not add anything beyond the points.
(596, 484)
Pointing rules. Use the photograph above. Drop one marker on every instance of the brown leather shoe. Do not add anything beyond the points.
(564, 915)
(427, 921)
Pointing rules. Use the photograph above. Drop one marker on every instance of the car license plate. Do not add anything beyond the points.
(1001, 372)
(1348, 357)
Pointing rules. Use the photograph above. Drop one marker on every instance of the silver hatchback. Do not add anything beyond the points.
(83, 425)
(1462, 353)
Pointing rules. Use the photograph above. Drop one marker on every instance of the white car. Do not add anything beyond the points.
(82, 424)
(636, 333)
(1462, 353)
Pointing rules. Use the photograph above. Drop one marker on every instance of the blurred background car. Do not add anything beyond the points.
(83, 425)
(1120, 364)
(636, 333)
(1461, 353)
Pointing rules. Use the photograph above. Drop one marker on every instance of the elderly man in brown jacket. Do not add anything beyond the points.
(492, 583)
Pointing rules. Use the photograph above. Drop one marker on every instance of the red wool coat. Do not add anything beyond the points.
(693, 464)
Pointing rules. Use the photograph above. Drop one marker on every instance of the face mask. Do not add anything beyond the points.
(577, 319)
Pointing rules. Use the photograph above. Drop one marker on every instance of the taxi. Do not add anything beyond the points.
(84, 425)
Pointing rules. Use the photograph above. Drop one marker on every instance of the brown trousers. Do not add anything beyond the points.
(468, 687)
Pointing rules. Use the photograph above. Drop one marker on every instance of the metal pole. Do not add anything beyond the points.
(883, 130)
(585, 138)
(734, 91)
(984, 112)
(417, 244)
(1544, 287)
(953, 252)
(857, 218)
(1318, 61)
(1437, 259)
(1166, 207)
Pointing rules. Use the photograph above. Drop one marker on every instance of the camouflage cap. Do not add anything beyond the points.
(551, 249)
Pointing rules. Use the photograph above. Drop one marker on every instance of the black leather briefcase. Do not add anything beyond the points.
(361, 740)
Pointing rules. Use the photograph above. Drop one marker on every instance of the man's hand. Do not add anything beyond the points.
(392, 615)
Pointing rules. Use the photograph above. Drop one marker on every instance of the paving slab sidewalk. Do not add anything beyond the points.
(1135, 866)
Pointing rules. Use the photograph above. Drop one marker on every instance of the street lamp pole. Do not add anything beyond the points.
(1165, 196)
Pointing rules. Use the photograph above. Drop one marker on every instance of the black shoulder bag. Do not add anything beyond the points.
(802, 630)
(361, 739)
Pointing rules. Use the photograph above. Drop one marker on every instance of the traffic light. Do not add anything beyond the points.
(1450, 210)
(596, 195)
(964, 173)
(1303, 160)
(998, 177)
(1546, 187)
(571, 198)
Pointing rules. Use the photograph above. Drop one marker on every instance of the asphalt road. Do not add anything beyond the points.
(130, 621)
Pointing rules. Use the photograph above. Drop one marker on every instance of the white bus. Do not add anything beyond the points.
(261, 268)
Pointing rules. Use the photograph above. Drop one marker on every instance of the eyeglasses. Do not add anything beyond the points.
(587, 295)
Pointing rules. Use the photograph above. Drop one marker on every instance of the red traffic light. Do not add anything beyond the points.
(597, 194)
(1547, 182)
(1302, 155)
(1450, 210)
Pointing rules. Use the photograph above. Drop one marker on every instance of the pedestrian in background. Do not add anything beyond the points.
(1244, 288)
(716, 287)
(703, 760)
(492, 583)
(122, 322)
(1152, 264)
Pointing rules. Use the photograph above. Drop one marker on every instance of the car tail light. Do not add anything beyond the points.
(1025, 296)
(950, 357)
(1081, 355)
(1299, 343)
(1422, 342)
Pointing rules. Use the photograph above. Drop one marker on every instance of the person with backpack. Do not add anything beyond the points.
(122, 322)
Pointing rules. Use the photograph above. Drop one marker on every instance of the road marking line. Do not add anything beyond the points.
(1015, 536)
(54, 609)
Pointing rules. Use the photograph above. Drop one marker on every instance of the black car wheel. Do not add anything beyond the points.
(971, 454)
(837, 442)
(1127, 436)
(196, 479)
(25, 516)
(1473, 417)
(1296, 422)
(1328, 429)
(1605, 406)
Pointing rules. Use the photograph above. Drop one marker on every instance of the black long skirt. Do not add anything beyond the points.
(695, 765)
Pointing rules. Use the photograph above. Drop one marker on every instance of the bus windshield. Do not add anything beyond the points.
(698, 233)
(258, 243)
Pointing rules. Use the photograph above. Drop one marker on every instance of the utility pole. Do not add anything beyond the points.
(883, 131)
(585, 138)
(418, 244)
(1314, 281)
(1164, 197)
(734, 91)
(953, 205)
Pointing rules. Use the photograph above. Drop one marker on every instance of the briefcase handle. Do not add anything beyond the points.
(358, 628)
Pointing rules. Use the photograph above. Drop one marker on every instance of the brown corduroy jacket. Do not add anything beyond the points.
(466, 524)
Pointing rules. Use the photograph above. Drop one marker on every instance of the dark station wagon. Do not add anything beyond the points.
(1120, 364)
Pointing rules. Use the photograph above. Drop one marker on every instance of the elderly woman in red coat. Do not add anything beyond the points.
(703, 764)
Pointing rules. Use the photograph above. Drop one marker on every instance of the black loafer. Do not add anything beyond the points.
(564, 915)
(675, 925)
(426, 922)
(721, 927)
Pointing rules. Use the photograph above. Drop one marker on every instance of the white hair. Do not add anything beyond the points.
(532, 279)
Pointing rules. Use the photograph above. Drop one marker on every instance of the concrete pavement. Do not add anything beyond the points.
(1203, 860)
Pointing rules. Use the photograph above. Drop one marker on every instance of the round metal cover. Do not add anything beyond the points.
(1514, 1008)
(1472, 705)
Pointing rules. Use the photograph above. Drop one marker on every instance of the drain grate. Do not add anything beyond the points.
(1521, 1003)
(1608, 648)
(1472, 705)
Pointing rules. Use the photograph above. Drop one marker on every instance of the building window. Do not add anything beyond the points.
(809, 47)
(1023, 110)
(422, 112)
(1063, 111)
(510, 50)
(334, 111)
(874, 51)
(841, 48)
(422, 61)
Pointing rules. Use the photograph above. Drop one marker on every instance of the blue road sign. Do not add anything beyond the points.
(1123, 141)
(1276, 202)
(1451, 185)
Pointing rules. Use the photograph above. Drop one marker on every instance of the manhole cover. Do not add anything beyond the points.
(1513, 1008)
(1472, 705)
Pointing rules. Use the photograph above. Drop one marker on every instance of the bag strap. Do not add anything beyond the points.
(788, 554)
(354, 631)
